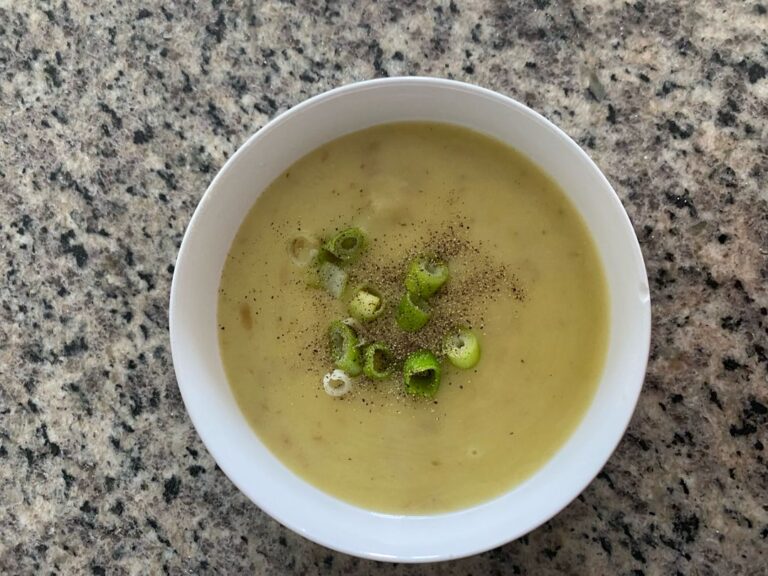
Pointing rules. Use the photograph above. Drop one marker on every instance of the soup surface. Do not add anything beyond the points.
(524, 273)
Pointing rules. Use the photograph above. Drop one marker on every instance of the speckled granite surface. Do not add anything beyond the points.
(113, 120)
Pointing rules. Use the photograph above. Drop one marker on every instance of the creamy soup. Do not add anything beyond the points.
(524, 275)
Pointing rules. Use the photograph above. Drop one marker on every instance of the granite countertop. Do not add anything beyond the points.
(114, 117)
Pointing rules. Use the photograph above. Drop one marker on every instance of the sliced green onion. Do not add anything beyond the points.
(303, 250)
(344, 348)
(377, 361)
(426, 276)
(462, 348)
(337, 383)
(332, 278)
(412, 312)
(421, 374)
(347, 245)
(366, 305)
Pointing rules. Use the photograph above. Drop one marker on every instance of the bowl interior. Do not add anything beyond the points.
(236, 447)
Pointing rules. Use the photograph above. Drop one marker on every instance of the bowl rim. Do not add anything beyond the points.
(183, 256)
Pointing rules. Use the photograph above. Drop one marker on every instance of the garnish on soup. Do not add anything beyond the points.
(423, 277)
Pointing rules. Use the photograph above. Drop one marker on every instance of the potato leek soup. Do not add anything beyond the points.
(413, 318)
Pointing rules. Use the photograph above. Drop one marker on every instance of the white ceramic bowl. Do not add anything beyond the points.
(238, 450)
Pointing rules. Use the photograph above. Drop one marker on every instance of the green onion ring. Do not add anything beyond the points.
(367, 304)
(345, 352)
(421, 374)
(337, 383)
(412, 313)
(347, 245)
(462, 348)
(303, 250)
(377, 361)
(426, 276)
(332, 278)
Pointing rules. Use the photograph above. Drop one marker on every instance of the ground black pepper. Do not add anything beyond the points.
(476, 280)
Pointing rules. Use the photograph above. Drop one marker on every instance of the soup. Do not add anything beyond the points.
(525, 277)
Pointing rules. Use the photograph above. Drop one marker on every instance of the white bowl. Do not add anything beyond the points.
(236, 447)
